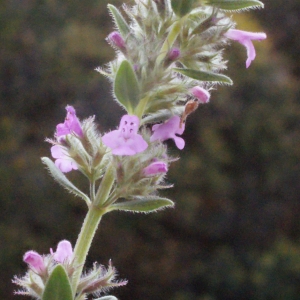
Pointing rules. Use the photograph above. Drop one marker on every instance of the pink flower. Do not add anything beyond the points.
(168, 130)
(156, 168)
(245, 38)
(126, 140)
(35, 261)
(63, 161)
(71, 124)
(201, 94)
(116, 39)
(64, 252)
(174, 54)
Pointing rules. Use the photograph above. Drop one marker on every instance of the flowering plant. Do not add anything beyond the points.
(169, 57)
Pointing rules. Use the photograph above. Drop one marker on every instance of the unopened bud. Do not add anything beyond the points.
(173, 54)
(201, 94)
(64, 252)
(116, 39)
(35, 261)
(156, 168)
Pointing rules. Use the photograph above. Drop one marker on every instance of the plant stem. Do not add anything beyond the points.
(84, 242)
(90, 225)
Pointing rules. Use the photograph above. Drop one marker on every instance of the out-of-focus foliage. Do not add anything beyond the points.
(234, 233)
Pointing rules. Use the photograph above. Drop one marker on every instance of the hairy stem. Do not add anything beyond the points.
(90, 225)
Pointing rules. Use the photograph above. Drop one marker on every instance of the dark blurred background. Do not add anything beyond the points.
(234, 233)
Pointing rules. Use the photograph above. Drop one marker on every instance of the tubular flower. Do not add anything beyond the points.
(201, 94)
(35, 261)
(245, 38)
(71, 124)
(168, 130)
(116, 39)
(62, 159)
(64, 251)
(125, 140)
(156, 168)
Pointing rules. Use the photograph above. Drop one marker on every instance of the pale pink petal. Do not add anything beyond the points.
(168, 130)
(179, 142)
(70, 125)
(251, 53)
(125, 140)
(65, 165)
(64, 252)
(112, 139)
(201, 94)
(34, 260)
(245, 38)
(58, 151)
(156, 168)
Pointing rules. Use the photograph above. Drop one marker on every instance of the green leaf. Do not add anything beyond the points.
(126, 86)
(204, 75)
(169, 41)
(120, 21)
(182, 7)
(63, 180)
(58, 286)
(235, 4)
(143, 204)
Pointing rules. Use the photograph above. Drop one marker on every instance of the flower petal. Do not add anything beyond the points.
(64, 251)
(34, 260)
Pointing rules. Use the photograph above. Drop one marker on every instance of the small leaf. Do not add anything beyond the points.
(205, 76)
(126, 86)
(58, 286)
(63, 180)
(143, 204)
(235, 4)
(169, 41)
(182, 7)
(120, 21)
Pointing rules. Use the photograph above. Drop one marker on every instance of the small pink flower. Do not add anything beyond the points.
(201, 94)
(174, 54)
(156, 168)
(35, 261)
(245, 38)
(64, 252)
(126, 140)
(168, 130)
(62, 159)
(71, 124)
(116, 39)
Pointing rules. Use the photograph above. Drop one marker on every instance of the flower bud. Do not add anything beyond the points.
(35, 261)
(156, 168)
(64, 251)
(116, 39)
(201, 94)
(174, 54)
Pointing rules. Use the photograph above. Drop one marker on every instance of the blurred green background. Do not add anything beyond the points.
(234, 233)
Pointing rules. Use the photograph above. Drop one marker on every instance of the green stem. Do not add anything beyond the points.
(90, 226)
(84, 242)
